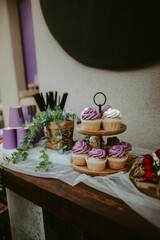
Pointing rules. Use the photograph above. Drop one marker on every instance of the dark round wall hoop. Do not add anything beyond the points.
(99, 104)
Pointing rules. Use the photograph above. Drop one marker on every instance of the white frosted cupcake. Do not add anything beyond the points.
(90, 119)
(111, 119)
(79, 152)
(117, 157)
(96, 160)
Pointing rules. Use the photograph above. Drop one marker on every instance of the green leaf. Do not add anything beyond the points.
(41, 120)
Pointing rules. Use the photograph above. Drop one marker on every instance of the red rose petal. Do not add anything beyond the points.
(149, 175)
(148, 156)
(148, 166)
(147, 159)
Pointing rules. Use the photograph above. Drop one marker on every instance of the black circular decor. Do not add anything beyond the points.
(108, 34)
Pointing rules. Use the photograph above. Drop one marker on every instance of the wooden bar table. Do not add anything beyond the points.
(95, 213)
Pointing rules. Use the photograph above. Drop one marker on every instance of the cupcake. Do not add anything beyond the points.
(105, 108)
(128, 147)
(94, 141)
(79, 152)
(96, 159)
(117, 157)
(111, 141)
(91, 119)
(111, 119)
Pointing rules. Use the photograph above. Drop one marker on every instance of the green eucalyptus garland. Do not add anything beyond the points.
(41, 120)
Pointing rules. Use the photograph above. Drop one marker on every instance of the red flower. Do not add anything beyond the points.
(158, 153)
(148, 166)
(149, 175)
(147, 159)
(148, 155)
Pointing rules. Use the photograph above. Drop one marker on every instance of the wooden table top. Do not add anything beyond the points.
(81, 205)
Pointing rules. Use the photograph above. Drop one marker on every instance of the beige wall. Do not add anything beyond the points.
(135, 93)
(11, 65)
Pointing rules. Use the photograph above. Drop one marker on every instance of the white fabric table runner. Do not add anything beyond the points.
(117, 185)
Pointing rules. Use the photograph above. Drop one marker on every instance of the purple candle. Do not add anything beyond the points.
(9, 138)
(21, 133)
(25, 113)
(38, 136)
(29, 112)
(16, 118)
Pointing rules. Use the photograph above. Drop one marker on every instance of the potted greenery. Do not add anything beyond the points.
(58, 124)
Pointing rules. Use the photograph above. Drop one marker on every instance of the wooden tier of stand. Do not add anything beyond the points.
(106, 171)
(101, 132)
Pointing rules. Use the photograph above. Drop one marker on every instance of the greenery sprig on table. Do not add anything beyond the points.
(45, 164)
(41, 120)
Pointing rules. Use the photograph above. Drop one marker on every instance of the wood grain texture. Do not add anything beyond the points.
(101, 132)
(88, 209)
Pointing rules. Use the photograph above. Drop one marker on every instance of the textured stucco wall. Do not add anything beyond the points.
(134, 92)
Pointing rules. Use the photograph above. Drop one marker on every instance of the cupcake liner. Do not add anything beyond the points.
(111, 124)
(93, 125)
(117, 163)
(79, 159)
(95, 164)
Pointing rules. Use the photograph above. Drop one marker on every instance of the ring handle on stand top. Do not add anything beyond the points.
(100, 104)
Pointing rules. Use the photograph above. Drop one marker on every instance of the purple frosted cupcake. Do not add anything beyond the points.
(96, 160)
(105, 108)
(128, 147)
(91, 119)
(117, 157)
(79, 152)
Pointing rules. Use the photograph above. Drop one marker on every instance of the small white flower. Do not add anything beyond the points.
(155, 158)
(158, 173)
